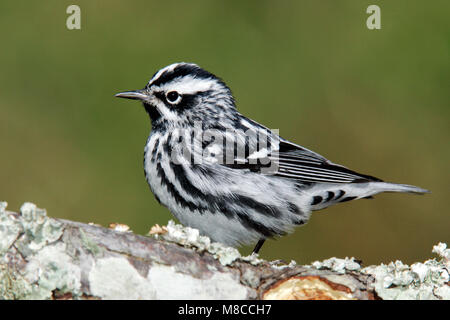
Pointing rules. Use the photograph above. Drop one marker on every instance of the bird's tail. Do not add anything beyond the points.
(378, 187)
(326, 195)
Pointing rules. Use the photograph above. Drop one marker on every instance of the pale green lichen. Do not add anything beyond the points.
(48, 267)
(396, 280)
(13, 285)
(338, 265)
(39, 230)
(225, 255)
(52, 268)
(428, 280)
(191, 237)
(441, 250)
(10, 228)
(186, 236)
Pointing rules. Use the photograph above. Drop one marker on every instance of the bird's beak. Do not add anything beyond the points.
(136, 95)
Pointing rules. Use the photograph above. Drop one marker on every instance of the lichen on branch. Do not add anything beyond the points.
(46, 258)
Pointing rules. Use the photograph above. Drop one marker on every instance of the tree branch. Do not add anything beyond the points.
(46, 258)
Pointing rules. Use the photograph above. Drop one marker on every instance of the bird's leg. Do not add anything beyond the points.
(258, 246)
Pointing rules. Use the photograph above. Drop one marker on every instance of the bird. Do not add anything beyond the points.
(235, 180)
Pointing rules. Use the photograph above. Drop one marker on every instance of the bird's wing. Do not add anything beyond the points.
(292, 161)
(300, 163)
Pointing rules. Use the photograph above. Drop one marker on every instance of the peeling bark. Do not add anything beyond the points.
(45, 258)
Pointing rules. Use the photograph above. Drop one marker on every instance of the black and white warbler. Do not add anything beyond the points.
(228, 176)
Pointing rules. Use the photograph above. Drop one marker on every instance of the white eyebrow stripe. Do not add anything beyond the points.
(160, 72)
(189, 85)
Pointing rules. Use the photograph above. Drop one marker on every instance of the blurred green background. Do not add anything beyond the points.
(376, 101)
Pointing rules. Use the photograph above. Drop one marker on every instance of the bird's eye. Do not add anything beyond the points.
(173, 97)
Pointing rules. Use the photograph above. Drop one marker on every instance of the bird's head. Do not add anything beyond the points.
(183, 93)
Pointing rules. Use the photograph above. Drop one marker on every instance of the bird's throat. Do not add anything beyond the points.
(153, 112)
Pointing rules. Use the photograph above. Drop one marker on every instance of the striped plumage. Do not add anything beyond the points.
(228, 176)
